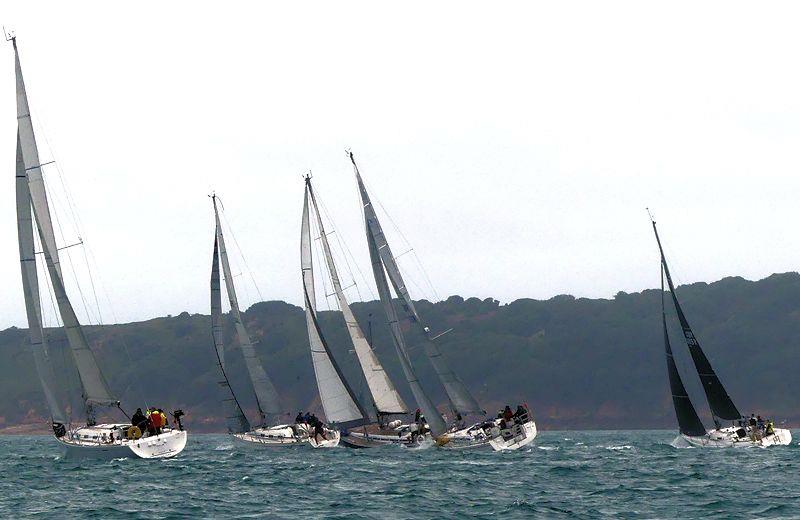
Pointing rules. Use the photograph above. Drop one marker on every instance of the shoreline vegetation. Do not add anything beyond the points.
(580, 363)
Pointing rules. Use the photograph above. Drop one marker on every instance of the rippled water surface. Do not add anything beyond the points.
(563, 474)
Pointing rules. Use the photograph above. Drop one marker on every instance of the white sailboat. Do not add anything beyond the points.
(266, 396)
(509, 435)
(740, 432)
(377, 429)
(92, 440)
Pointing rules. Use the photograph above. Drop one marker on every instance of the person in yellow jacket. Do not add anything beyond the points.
(163, 418)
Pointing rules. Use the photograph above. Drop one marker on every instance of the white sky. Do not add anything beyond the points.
(515, 145)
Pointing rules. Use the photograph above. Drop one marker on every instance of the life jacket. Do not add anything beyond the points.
(155, 418)
(163, 418)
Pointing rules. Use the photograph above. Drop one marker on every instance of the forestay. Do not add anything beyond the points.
(718, 399)
(435, 421)
(338, 401)
(460, 397)
(95, 388)
(385, 397)
(265, 392)
(235, 417)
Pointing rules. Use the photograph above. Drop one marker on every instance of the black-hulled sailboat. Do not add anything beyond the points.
(740, 432)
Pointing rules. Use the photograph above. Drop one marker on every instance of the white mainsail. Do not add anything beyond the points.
(266, 394)
(235, 417)
(461, 399)
(30, 287)
(338, 401)
(384, 395)
(95, 388)
(435, 421)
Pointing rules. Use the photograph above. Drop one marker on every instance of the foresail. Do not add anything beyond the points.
(236, 419)
(30, 287)
(688, 421)
(460, 397)
(435, 421)
(718, 399)
(266, 394)
(338, 401)
(384, 395)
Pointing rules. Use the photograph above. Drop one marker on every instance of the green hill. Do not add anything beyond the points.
(579, 363)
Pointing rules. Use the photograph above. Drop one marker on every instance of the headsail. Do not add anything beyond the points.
(435, 421)
(235, 417)
(460, 397)
(95, 388)
(338, 400)
(30, 286)
(688, 421)
(266, 395)
(384, 395)
(718, 399)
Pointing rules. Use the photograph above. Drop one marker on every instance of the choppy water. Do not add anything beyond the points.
(564, 474)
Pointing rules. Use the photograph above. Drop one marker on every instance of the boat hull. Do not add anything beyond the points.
(728, 438)
(279, 436)
(334, 437)
(95, 442)
(519, 436)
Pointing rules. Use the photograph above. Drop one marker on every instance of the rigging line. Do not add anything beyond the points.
(241, 253)
(69, 256)
(320, 254)
(343, 249)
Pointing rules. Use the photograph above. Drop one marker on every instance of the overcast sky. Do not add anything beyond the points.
(515, 145)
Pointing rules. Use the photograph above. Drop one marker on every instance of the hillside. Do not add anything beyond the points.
(579, 363)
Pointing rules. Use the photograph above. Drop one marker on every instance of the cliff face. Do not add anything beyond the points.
(579, 363)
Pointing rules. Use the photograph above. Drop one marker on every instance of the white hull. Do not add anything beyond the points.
(95, 442)
(332, 441)
(516, 437)
(275, 436)
(728, 438)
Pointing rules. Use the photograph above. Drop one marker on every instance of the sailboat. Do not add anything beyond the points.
(342, 409)
(265, 394)
(90, 440)
(513, 434)
(692, 431)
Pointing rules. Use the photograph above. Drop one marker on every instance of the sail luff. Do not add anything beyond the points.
(435, 421)
(719, 401)
(265, 392)
(688, 421)
(30, 286)
(385, 397)
(338, 400)
(461, 399)
(236, 419)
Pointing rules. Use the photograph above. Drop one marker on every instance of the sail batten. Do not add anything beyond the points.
(434, 419)
(719, 401)
(236, 419)
(461, 399)
(385, 397)
(265, 392)
(338, 400)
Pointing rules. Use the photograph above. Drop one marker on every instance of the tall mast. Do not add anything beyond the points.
(235, 416)
(719, 401)
(95, 389)
(385, 397)
(338, 400)
(435, 421)
(461, 399)
(265, 393)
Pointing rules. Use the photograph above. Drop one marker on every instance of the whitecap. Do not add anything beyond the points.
(617, 448)
(224, 447)
(548, 448)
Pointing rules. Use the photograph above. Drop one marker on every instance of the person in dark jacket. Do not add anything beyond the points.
(139, 420)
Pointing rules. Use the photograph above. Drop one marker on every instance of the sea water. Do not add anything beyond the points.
(620, 474)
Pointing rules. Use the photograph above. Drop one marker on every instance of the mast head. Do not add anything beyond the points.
(10, 36)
